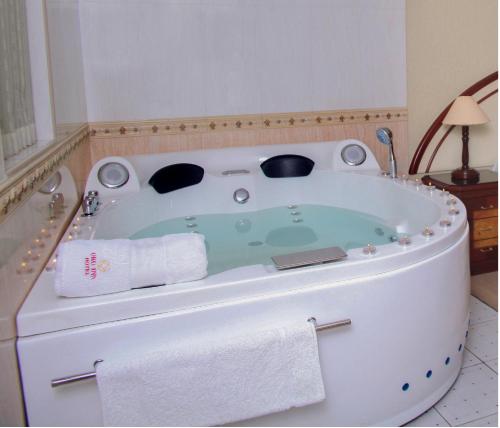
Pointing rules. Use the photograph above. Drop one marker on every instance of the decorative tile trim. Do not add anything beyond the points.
(245, 122)
(26, 180)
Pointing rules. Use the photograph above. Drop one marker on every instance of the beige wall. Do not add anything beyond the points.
(451, 44)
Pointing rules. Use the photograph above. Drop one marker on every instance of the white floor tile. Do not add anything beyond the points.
(470, 359)
(473, 396)
(493, 364)
(431, 418)
(482, 340)
(481, 312)
(489, 421)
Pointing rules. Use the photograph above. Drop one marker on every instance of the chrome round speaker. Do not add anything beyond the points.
(353, 154)
(113, 175)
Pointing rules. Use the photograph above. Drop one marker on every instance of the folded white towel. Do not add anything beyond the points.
(92, 267)
(212, 380)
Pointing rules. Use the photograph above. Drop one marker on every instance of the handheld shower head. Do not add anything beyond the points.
(384, 135)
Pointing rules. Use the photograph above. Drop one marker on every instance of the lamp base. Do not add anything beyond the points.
(465, 176)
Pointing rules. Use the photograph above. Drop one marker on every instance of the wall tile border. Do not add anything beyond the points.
(26, 180)
(194, 125)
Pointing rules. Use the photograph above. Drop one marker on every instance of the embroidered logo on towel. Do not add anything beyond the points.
(103, 265)
(92, 266)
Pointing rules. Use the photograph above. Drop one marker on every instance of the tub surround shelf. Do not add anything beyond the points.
(481, 202)
(27, 177)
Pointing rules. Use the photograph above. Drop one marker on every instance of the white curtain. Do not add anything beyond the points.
(17, 124)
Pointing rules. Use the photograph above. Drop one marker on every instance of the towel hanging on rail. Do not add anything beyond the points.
(90, 375)
(213, 379)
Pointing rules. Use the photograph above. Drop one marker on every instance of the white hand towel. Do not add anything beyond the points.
(92, 267)
(209, 380)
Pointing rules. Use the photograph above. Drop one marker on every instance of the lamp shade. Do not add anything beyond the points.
(465, 111)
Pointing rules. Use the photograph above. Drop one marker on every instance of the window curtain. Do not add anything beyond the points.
(17, 124)
(3, 176)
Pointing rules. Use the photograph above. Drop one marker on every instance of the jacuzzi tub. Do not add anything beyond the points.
(408, 303)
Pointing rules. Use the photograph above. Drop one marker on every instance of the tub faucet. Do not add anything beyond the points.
(89, 206)
(384, 135)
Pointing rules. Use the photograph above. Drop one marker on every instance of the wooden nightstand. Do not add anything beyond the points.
(481, 201)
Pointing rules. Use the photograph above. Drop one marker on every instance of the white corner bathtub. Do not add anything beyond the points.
(408, 304)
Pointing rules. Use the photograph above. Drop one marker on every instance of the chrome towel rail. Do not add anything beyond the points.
(75, 378)
(329, 326)
(90, 375)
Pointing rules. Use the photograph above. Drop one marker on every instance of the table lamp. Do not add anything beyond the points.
(465, 111)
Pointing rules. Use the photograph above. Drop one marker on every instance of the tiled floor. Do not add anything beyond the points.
(473, 398)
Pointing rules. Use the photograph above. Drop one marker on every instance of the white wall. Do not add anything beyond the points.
(63, 22)
(146, 59)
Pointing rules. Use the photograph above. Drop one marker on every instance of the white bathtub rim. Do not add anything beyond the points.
(431, 200)
(419, 248)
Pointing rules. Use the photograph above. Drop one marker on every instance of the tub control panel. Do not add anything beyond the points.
(115, 175)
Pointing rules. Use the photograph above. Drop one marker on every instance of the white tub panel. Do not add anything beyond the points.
(404, 323)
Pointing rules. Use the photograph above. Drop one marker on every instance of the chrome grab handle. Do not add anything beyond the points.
(90, 375)
(486, 229)
(486, 250)
(489, 207)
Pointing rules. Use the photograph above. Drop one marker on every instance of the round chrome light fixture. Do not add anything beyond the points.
(51, 185)
(353, 154)
(113, 175)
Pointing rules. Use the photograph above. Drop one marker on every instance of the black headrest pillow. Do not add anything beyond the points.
(176, 176)
(287, 166)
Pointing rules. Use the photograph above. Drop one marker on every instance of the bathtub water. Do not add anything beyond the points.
(252, 238)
